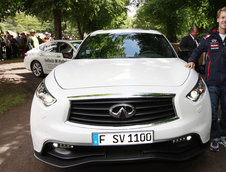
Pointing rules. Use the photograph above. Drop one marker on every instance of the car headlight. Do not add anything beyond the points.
(42, 93)
(197, 91)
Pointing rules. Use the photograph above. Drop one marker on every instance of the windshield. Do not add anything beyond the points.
(125, 45)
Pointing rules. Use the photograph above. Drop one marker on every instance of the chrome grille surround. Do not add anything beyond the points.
(150, 108)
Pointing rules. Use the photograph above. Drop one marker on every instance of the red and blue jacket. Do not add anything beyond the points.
(215, 61)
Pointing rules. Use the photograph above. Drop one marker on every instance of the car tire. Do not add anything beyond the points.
(36, 69)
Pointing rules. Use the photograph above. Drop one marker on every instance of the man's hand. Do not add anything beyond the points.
(190, 65)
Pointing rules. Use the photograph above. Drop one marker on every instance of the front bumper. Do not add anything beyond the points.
(50, 125)
(177, 149)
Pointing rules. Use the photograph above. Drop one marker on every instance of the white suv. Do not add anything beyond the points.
(125, 96)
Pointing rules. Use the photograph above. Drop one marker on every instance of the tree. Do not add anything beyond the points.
(213, 7)
(175, 17)
(9, 8)
(21, 22)
(87, 15)
(90, 15)
(162, 15)
(46, 10)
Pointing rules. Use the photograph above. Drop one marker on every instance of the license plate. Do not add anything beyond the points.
(123, 138)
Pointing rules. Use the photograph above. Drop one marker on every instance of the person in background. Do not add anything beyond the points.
(1, 47)
(188, 44)
(46, 38)
(6, 33)
(19, 48)
(7, 45)
(32, 41)
(40, 41)
(51, 37)
(214, 45)
(18, 38)
(14, 46)
(23, 43)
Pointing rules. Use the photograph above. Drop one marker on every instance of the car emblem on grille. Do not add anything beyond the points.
(122, 111)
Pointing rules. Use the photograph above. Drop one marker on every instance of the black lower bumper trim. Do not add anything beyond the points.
(167, 150)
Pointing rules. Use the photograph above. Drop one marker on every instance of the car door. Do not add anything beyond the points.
(51, 56)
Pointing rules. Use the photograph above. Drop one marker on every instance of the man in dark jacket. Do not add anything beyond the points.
(214, 45)
(188, 44)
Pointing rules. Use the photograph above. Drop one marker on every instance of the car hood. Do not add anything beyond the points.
(169, 72)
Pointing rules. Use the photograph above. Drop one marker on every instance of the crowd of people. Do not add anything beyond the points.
(14, 47)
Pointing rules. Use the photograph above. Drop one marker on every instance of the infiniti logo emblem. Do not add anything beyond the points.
(122, 111)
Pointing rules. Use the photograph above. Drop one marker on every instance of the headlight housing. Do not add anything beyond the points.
(42, 93)
(197, 91)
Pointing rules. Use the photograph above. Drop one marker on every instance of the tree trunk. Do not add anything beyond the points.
(57, 24)
(81, 34)
(171, 33)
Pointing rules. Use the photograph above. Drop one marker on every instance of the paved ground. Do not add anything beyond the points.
(16, 152)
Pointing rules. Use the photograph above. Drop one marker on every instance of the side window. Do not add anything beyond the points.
(50, 47)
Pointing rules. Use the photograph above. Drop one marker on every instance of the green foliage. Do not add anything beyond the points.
(128, 23)
(9, 8)
(172, 17)
(86, 15)
(213, 7)
(143, 19)
(197, 17)
(161, 15)
(22, 22)
(44, 8)
(69, 29)
(175, 17)
(90, 15)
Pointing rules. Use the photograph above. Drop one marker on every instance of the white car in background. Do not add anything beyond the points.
(126, 96)
(43, 59)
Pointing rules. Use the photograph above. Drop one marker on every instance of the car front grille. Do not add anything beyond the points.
(148, 110)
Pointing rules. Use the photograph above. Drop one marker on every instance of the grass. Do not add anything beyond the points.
(11, 95)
